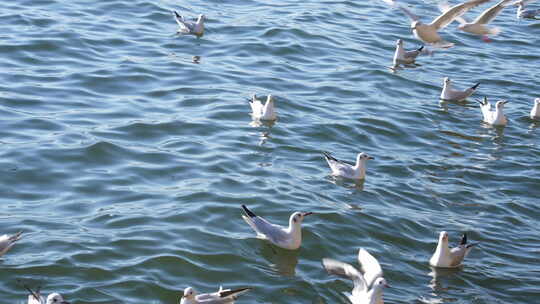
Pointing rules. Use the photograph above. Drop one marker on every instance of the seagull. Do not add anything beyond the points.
(7, 241)
(535, 111)
(263, 112)
(189, 27)
(479, 25)
(35, 297)
(428, 32)
(287, 238)
(346, 170)
(494, 118)
(401, 56)
(221, 296)
(368, 287)
(526, 14)
(448, 94)
(450, 258)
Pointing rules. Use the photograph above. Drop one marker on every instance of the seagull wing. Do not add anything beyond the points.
(488, 15)
(256, 105)
(370, 266)
(409, 14)
(184, 26)
(345, 270)
(455, 11)
(444, 6)
(338, 166)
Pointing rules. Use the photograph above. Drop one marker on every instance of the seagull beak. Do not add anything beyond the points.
(65, 302)
(370, 157)
(505, 101)
(387, 286)
(307, 213)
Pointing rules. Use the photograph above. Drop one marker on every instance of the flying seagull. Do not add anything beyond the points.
(368, 287)
(428, 32)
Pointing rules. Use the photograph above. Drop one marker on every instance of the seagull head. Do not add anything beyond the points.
(201, 18)
(443, 237)
(446, 80)
(380, 283)
(189, 293)
(270, 98)
(537, 101)
(56, 298)
(362, 157)
(298, 217)
(415, 24)
(399, 42)
(500, 104)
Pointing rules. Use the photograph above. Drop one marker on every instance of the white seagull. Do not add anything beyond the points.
(401, 56)
(479, 25)
(221, 296)
(450, 258)
(189, 27)
(368, 287)
(495, 118)
(428, 32)
(7, 241)
(526, 14)
(287, 238)
(263, 112)
(343, 169)
(535, 111)
(449, 94)
(35, 297)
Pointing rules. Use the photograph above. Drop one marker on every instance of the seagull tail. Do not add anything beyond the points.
(15, 237)
(248, 212)
(494, 31)
(463, 239)
(234, 292)
(328, 156)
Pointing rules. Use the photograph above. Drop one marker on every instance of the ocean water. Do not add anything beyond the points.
(125, 164)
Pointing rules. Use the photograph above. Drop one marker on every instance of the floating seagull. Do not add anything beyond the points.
(35, 297)
(535, 111)
(450, 258)
(401, 56)
(189, 27)
(343, 169)
(428, 32)
(7, 241)
(495, 118)
(479, 25)
(526, 14)
(221, 296)
(263, 112)
(368, 287)
(448, 94)
(287, 238)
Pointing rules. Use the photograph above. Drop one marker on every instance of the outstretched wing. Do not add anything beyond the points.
(345, 270)
(370, 266)
(409, 14)
(488, 15)
(455, 11)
